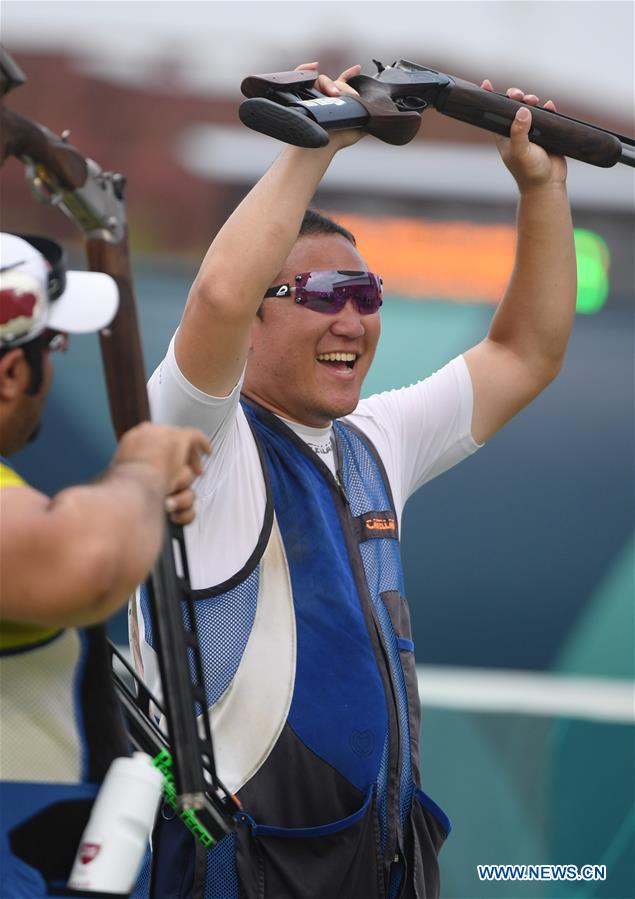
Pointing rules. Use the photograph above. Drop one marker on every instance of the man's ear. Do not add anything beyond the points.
(14, 374)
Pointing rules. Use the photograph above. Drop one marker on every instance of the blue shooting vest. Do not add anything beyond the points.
(335, 810)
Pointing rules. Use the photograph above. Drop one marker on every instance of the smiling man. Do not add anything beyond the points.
(312, 371)
(294, 555)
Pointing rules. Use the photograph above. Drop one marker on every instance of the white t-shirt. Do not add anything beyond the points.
(419, 432)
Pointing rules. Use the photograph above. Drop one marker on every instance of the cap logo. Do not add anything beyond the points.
(22, 303)
(7, 268)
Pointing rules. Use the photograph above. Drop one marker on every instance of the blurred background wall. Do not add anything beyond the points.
(519, 563)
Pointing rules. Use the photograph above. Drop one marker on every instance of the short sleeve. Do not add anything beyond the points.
(174, 401)
(422, 430)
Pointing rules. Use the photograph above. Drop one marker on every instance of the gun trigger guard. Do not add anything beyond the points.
(385, 120)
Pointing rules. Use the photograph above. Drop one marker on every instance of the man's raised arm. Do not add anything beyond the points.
(525, 347)
(213, 338)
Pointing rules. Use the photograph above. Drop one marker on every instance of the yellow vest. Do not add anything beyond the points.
(14, 634)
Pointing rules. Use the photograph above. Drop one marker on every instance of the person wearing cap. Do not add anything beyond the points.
(67, 563)
(304, 626)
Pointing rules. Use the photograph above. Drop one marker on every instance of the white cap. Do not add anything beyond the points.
(36, 293)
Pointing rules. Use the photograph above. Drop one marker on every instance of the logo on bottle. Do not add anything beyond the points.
(88, 852)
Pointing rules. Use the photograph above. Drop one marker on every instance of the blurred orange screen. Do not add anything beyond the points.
(436, 260)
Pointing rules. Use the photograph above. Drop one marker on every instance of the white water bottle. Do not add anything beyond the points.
(116, 837)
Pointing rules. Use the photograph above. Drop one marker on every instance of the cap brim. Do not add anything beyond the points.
(88, 303)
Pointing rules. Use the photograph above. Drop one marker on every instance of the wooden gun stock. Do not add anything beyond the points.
(121, 341)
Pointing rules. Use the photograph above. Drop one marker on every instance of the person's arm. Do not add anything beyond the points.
(212, 341)
(526, 343)
(74, 559)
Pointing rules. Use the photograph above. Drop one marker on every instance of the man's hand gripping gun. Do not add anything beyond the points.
(94, 199)
(286, 105)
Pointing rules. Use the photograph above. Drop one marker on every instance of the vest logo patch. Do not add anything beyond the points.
(363, 742)
(377, 524)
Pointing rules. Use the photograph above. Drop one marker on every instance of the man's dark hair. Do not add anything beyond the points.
(315, 222)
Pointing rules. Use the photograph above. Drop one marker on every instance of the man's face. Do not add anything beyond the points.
(284, 373)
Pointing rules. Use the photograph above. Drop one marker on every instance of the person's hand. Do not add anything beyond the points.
(179, 504)
(335, 88)
(531, 166)
(175, 454)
